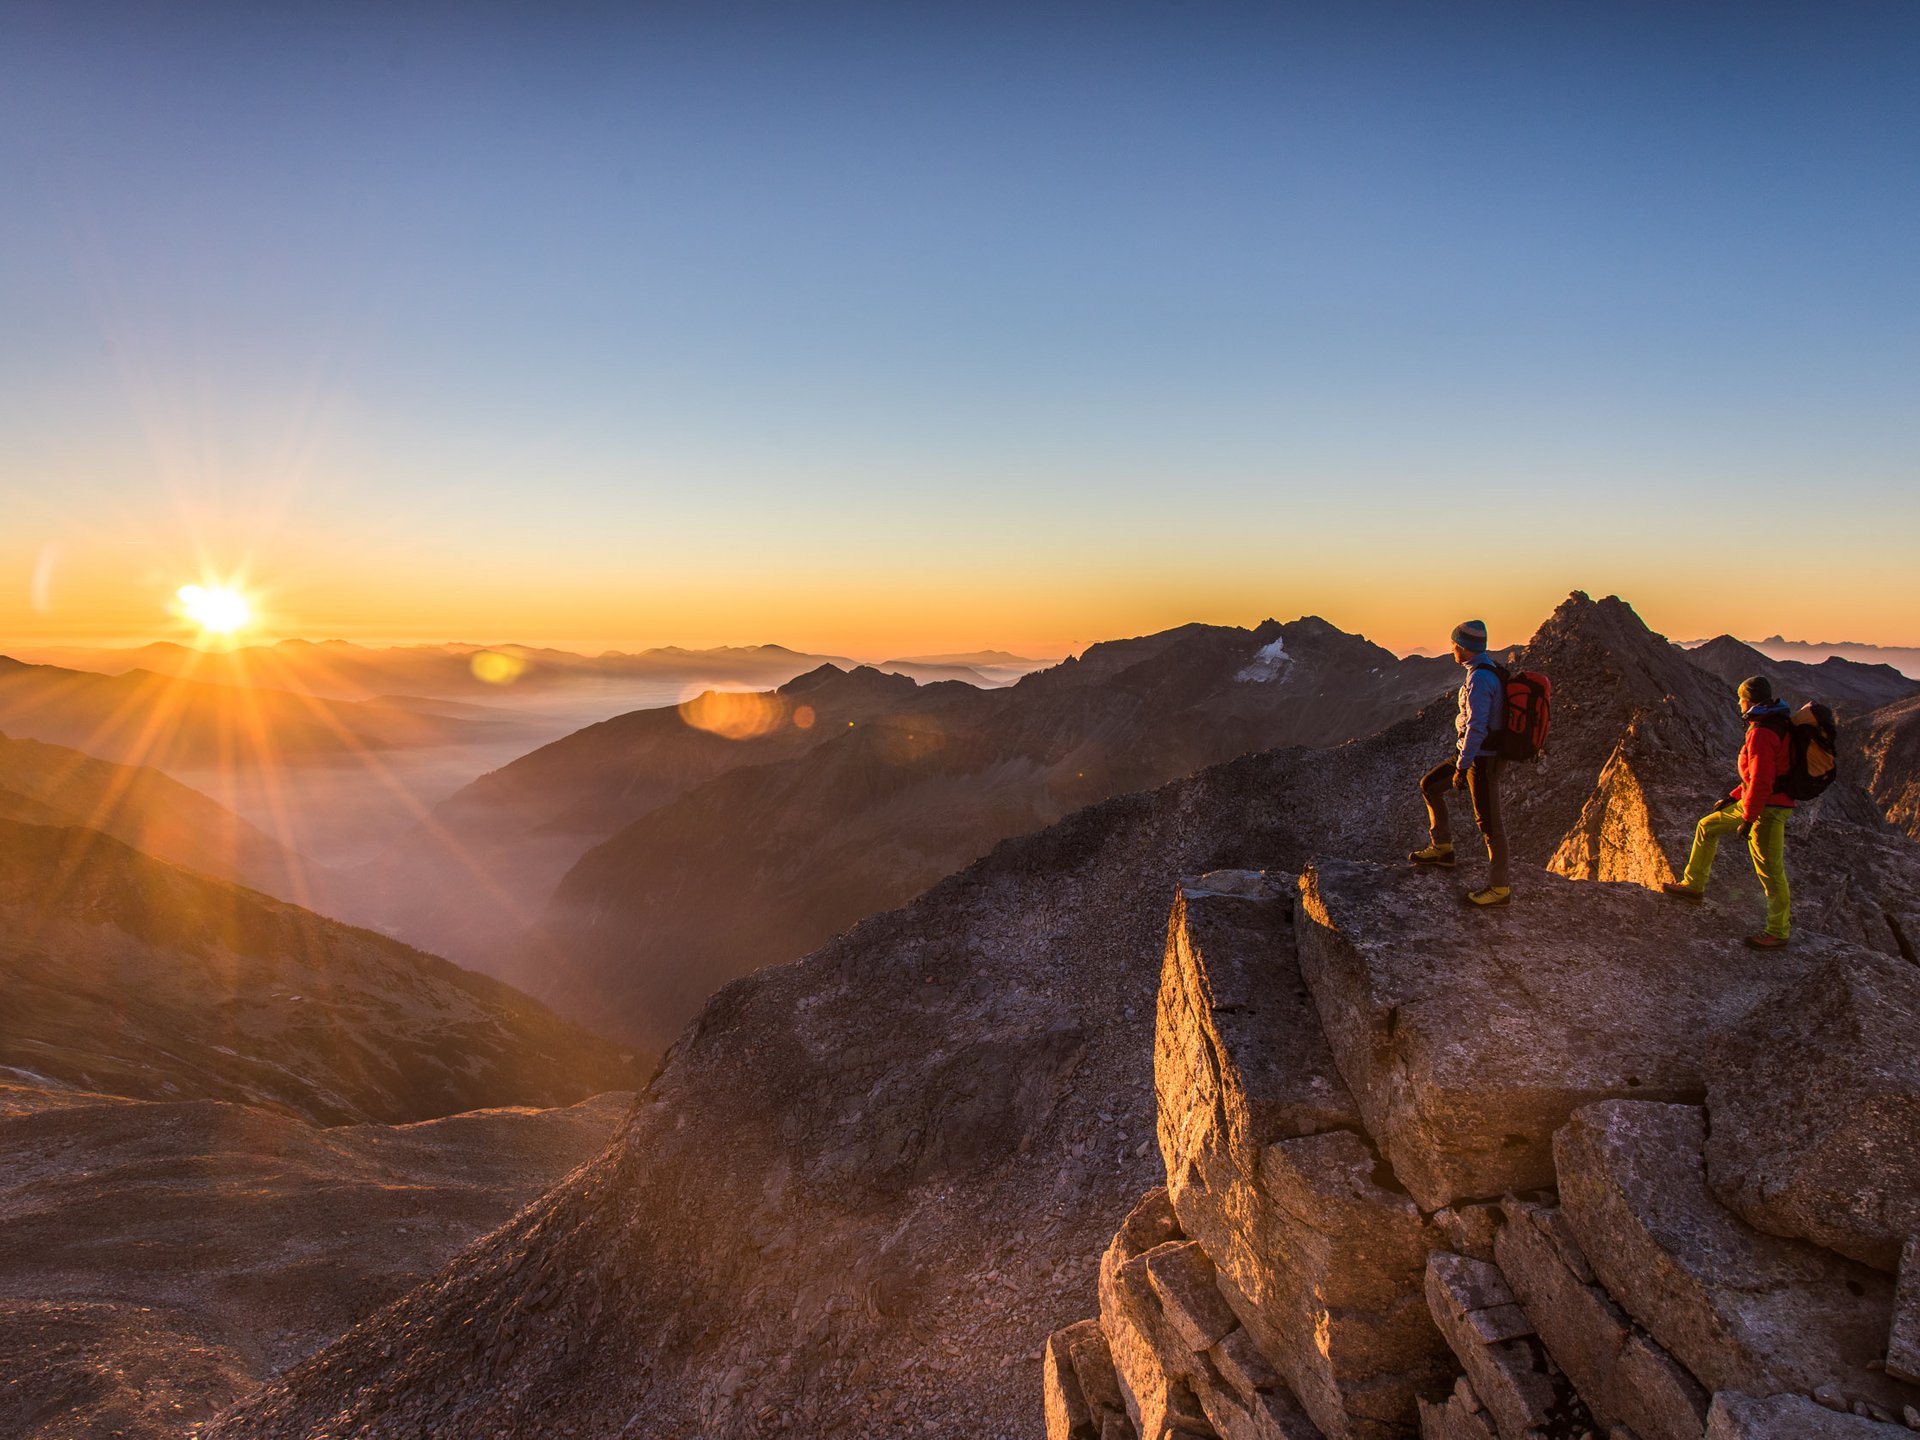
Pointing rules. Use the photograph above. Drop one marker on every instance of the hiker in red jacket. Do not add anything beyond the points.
(1757, 809)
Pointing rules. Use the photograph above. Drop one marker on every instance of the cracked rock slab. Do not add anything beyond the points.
(1506, 1367)
(1624, 1377)
(1467, 1039)
(1742, 1310)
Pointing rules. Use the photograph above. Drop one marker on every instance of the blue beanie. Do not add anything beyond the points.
(1471, 635)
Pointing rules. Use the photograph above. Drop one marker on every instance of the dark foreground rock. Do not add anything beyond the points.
(159, 1260)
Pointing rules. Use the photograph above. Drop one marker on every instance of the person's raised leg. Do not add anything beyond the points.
(1721, 820)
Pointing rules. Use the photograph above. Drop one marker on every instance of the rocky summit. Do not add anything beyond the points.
(1426, 1174)
(865, 1189)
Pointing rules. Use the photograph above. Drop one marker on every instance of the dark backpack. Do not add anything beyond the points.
(1526, 713)
(1813, 749)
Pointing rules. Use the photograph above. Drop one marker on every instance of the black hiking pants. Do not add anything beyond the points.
(1483, 784)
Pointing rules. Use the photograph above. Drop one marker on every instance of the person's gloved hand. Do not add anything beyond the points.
(1460, 777)
(1746, 829)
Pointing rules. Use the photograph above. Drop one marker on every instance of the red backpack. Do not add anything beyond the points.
(1526, 715)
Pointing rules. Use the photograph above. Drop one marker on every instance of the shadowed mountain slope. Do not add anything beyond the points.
(45, 784)
(760, 864)
(127, 975)
(158, 1260)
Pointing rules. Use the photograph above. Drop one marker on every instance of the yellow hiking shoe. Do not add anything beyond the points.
(1432, 855)
(1489, 897)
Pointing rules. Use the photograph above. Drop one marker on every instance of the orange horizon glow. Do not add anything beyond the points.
(379, 589)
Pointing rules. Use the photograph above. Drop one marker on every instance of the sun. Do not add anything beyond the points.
(216, 609)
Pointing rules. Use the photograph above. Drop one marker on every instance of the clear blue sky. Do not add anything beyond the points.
(971, 324)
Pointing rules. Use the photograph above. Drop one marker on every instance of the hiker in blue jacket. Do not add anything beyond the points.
(1473, 767)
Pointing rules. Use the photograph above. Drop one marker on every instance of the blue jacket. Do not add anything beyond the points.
(1482, 699)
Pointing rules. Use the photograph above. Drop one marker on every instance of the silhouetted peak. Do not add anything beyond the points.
(862, 679)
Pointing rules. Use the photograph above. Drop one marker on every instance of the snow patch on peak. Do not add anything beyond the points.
(1268, 662)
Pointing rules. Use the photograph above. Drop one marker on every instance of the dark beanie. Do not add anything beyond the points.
(1756, 690)
(1471, 635)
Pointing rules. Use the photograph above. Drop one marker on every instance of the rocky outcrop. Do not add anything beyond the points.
(1740, 1309)
(1557, 1061)
(1886, 745)
(1270, 1169)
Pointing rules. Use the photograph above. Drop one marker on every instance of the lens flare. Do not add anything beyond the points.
(734, 714)
(216, 609)
(496, 668)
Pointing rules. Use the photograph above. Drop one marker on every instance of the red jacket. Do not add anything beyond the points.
(1764, 758)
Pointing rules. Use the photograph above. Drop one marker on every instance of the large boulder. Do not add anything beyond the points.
(1742, 1310)
(1468, 1038)
(1319, 1251)
(1815, 1104)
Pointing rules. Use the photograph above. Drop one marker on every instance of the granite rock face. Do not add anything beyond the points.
(1790, 1417)
(1740, 1309)
(1816, 1110)
(1624, 1375)
(1271, 1171)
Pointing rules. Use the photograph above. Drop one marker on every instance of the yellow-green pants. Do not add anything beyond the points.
(1768, 846)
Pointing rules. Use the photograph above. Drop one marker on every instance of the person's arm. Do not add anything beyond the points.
(1481, 685)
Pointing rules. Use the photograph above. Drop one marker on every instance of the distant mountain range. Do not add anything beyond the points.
(340, 670)
(144, 717)
(42, 784)
(1847, 684)
(675, 861)
(1905, 659)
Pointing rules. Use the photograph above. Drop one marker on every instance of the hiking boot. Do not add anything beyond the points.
(1764, 941)
(1682, 892)
(1491, 896)
(1433, 855)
